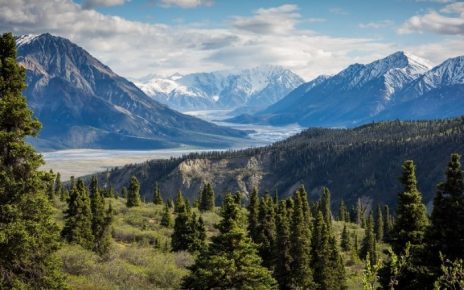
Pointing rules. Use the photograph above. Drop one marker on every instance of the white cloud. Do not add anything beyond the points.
(90, 4)
(134, 49)
(185, 3)
(377, 24)
(449, 20)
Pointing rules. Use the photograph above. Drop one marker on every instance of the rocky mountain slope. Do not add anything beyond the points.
(400, 86)
(247, 90)
(82, 103)
(363, 162)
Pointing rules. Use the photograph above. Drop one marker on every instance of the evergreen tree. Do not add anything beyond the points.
(411, 212)
(266, 230)
(133, 194)
(182, 237)
(446, 234)
(283, 257)
(101, 223)
(359, 213)
(379, 228)
(253, 211)
(179, 203)
(368, 246)
(28, 234)
(300, 247)
(207, 198)
(238, 198)
(388, 223)
(231, 261)
(343, 214)
(199, 234)
(157, 199)
(124, 192)
(324, 206)
(58, 186)
(345, 240)
(51, 186)
(166, 218)
(78, 218)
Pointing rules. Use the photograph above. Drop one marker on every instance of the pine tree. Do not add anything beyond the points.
(411, 212)
(78, 218)
(166, 218)
(207, 198)
(345, 240)
(300, 247)
(58, 186)
(157, 199)
(253, 211)
(343, 214)
(199, 234)
(446, 234)
(28, 234)
(283, 257)
(388, 223)
(324, 206)
(100, 219)
(368, 246)
(379, 228)
(359, 213)
(266, 234)
(231, 261)
(133, 194)
(179, 203)
(124, 192)
(51, 186)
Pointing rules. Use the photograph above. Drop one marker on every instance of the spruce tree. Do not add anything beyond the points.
(300, 247)
(179, 203)
(189, 233)
(133, 194)
(253, 211)
(324, 206)
(368, 246)
(199, 234)
(78, 218)
(266, 230)
(388, 223)
(343, 214)
(166, 218)
(28, 233)
(231, 260)
(58, 186)
(101, 223)
(51, 186)
(379, 226)
(207, 198)
(282, 249)
(411, 212)
(157, 199)
(345, 240)
(446, 234)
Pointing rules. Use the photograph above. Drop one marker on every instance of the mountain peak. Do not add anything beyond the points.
(404, 58)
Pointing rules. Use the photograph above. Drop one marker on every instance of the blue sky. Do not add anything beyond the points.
(140, 37)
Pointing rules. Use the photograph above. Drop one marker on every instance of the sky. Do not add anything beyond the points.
(137, 38)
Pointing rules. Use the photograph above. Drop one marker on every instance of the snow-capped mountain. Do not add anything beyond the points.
(253, 88)
(356, 95)
(83, 104)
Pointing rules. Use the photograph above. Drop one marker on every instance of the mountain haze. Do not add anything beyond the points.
(82, 103)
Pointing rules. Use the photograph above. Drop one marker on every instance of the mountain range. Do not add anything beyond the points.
(82, 103)
(247, 90)
(399, 86)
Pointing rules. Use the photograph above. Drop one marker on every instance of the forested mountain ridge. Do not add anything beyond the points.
(363, 162)
(82, 103)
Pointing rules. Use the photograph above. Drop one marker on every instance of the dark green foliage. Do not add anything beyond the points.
(199, 234)
(231, 261)
(157, 199)
(78, 218)
(327, 264)
(368, 246)
(166, 219)
(266, 231)
(282, 250)
(411, 213)
(253, 210)
(189, 232)
(58, 186)
(238, 198)
(359, 213)
(207, 198)
(300, 246)
(28, 234)
(446, 234)
(388, 223)
(343, 213)
(324, 206)
(179, 203)
(345, 240)
(101, 222)
(133, 194)
(379, 227)
(124, 192)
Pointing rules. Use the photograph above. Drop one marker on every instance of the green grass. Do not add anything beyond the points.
(140, 256)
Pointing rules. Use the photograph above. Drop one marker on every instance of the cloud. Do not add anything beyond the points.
(90, 4)
(449, 20)
(186, 3)
(135, 49)
(338, 11)
(377, 24)
(280, 19)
